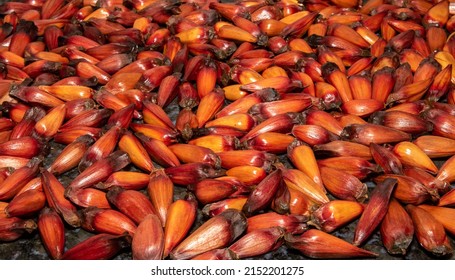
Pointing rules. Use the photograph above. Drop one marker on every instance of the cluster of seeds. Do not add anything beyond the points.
(271, 115)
